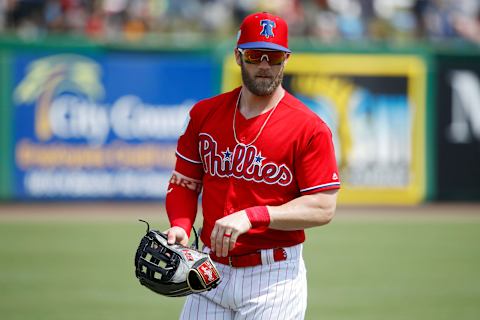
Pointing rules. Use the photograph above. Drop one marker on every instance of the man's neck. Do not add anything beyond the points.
(252, 105)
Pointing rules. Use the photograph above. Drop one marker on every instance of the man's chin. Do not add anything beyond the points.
(263, 93)
(260, 86)
(263, 86)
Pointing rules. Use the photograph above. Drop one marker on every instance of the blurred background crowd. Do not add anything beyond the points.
(325, 20)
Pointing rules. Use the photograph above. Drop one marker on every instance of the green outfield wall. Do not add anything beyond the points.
(81, 120)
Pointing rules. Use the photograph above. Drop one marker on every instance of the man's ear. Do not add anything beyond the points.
(238, 57)
(286, 60)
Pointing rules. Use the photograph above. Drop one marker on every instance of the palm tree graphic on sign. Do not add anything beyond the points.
(51, 76)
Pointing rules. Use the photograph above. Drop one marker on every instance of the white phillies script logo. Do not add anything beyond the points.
(243, 162)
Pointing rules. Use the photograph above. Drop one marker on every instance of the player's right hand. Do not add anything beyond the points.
(226, 231)
(176, 234)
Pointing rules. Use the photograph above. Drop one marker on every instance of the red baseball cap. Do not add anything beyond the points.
(263, 30)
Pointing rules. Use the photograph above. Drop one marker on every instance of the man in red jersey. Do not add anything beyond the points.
(266, 166)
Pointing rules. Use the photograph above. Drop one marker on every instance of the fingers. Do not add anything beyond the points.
(213, 238)
(177, 234)
(226, 232)
(233, 241)
(220, 244)
(171, 238)
(226, 241)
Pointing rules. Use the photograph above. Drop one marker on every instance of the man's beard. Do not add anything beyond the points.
(261, 86)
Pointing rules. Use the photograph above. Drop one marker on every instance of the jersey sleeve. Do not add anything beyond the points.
(188, 157)
(316, 169)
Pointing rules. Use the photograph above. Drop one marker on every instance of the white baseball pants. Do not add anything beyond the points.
(273, 290)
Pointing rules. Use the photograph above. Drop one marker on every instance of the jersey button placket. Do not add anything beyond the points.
(228, 208)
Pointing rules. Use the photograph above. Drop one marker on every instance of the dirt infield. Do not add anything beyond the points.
(48, 211)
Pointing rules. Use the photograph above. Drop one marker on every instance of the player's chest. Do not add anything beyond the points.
(254, 150)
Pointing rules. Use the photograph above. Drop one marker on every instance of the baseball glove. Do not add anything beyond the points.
(173, 270)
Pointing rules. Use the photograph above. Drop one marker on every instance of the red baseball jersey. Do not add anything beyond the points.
(292, 156)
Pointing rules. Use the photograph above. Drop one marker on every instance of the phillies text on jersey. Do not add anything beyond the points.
(244, 162)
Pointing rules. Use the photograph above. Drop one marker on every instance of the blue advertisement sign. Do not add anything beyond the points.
(103, 126)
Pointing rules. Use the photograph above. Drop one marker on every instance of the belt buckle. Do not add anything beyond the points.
(230, 261)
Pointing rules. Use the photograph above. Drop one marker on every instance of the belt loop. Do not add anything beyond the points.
(267, 256)
(263, 255)
(271, 257)
(230, 261)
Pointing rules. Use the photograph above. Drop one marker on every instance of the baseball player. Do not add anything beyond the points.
(266, 167)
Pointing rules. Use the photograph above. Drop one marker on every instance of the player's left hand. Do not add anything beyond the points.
(226, 231)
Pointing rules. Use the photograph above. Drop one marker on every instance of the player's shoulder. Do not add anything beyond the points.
(302, 114)
(205, 106)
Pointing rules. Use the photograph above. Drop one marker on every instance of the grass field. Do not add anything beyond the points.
(409, 264)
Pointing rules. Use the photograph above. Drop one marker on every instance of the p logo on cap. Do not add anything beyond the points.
(267, 30)
(263, 30)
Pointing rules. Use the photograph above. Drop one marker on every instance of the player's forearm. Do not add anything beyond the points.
(181, 206)
(182, 201)
(304, 212)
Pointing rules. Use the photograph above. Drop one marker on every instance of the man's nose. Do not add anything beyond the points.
(264, 62)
